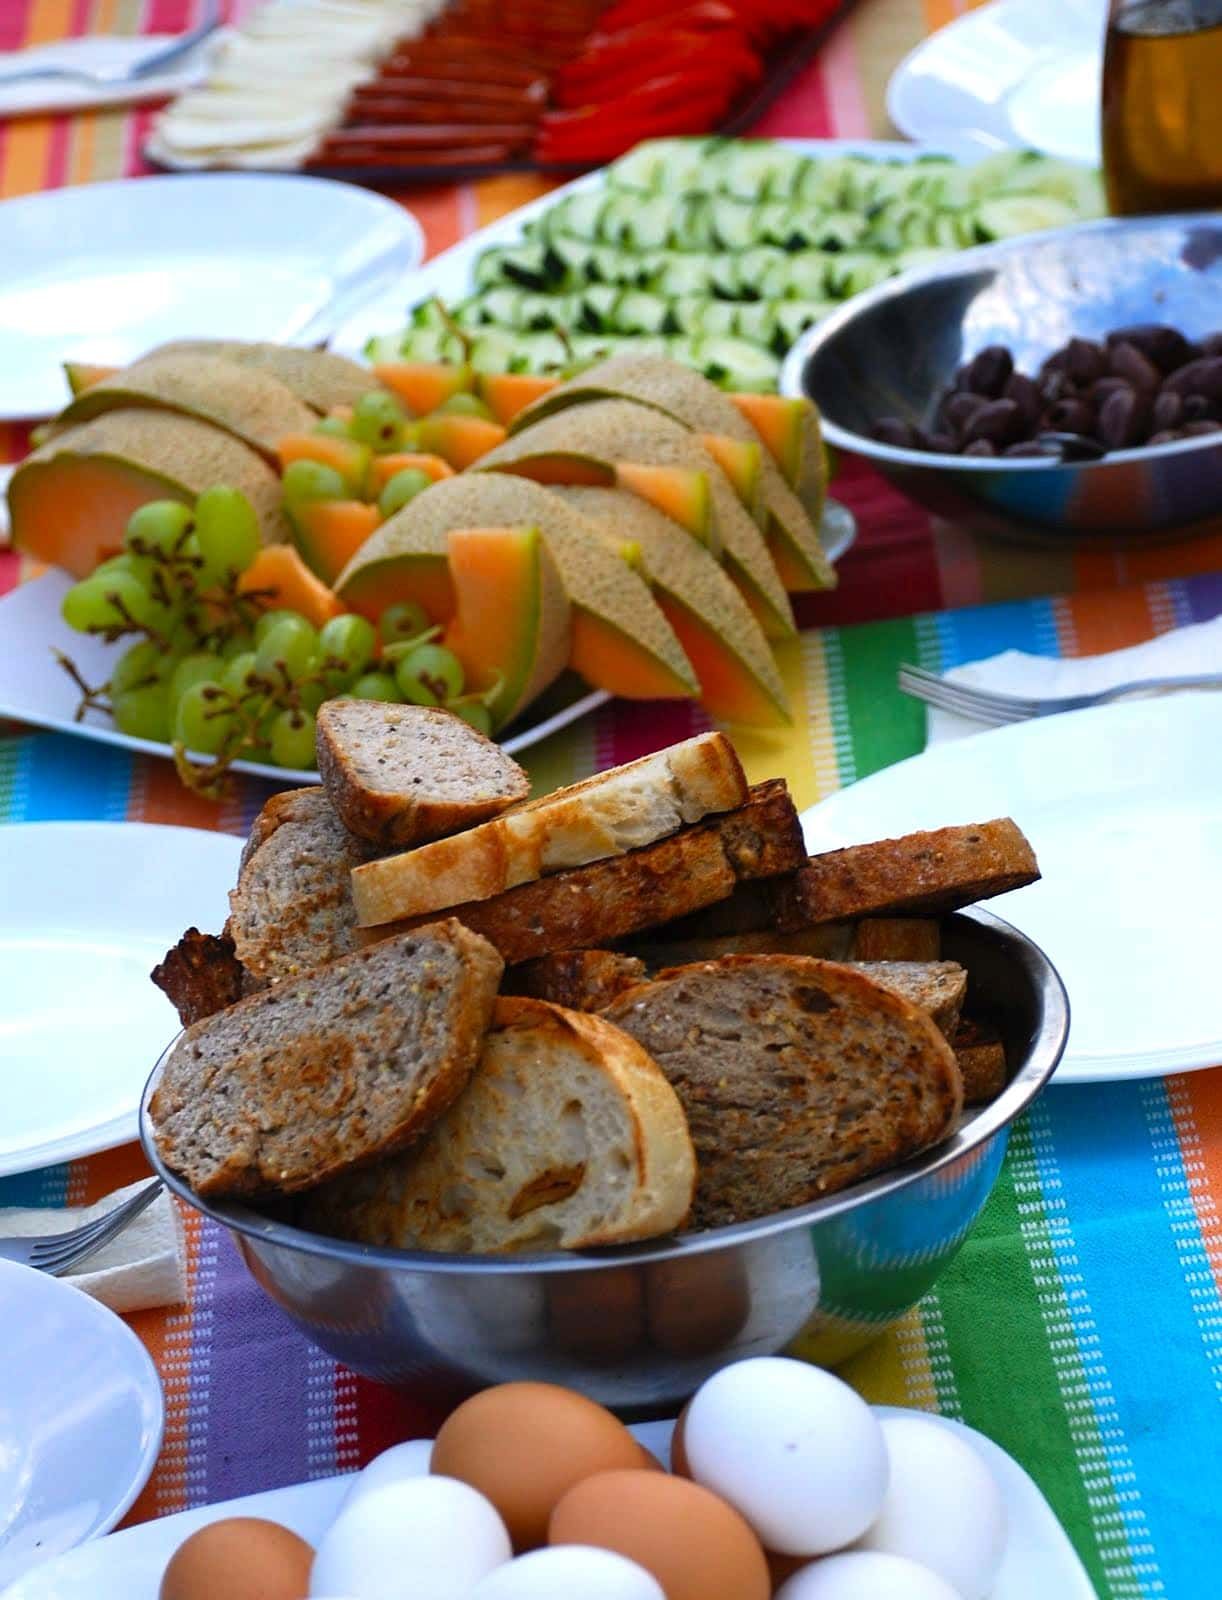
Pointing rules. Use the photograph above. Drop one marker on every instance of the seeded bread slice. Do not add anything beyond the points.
(401, 775)
(936, 987)
(798, 1077)
(567, 1136)
(603, 816)
(316, 1076)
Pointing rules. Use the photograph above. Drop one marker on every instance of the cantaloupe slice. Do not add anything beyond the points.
(322, 379)
(511, 623)
(742, 462)
(457, 439)
(251, 405)
(778, 421)
(677, 492)
(328, 533)
(383, 468)
(281, 578)
(82, 375)
(739, 681)
(507, 394)
(608, 659)
(70, 501)
(562, 470)
(349, 457)
(424, 385)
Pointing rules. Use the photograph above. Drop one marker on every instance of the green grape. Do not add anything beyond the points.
(312, 695)
(237, 644)
(334, 427)
(291, 645)
(157, 528)
(310, 480)
(143, 713)
(292, 739)
(114, 600)
(204, 718)
(227, 531)
(239, 676)
(404, 486)
(269, 620)
(350, 640)
(139, 664)
(476, 713)
(378, 420)
(404, 620)
(199, 667)
(465, 405)
(429, 675)
(375, 686)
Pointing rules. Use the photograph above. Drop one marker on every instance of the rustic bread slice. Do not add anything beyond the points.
(916, 939)
(202, 974)
(582, 980)
(936, 987)
(798, 1077)
(567, 1136)
(897, 939)
(292, 907)
(316, 1076)
(982, 1061)
(603, 902)
(400, 775)
(603, 816)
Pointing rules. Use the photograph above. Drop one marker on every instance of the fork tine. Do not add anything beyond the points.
(62, 1251)
(965, 699)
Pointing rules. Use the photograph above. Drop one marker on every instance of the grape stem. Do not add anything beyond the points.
(91, 699)
(459, 332)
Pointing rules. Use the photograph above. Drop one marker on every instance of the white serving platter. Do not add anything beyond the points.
(1123, 806)
(1039, 1558)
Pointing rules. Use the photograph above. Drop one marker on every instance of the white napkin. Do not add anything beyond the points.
(1182, 652)
(144, 1266)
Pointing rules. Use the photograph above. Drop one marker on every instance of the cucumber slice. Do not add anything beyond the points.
(755, 322)
(824, 184)
(647, 168)
(805, 277)
(1021, 213)
(386, 346)
(635, 222)
(429, 344)
(710, 318)
(732, 363)
(577, 216)
(635, 311)
(838, 230)
(676, 275)
(691, 224)
(854, 272)
(793, 317)
(754, 168)
(732, 223)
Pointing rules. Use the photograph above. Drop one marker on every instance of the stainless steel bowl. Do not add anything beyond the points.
(892, 351)
(640, 1327)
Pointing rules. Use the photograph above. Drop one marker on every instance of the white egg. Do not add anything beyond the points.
(943, 1506)
(566, 1571)
(865, 1575)
(795, 1450)
(419, 1539)
(399, 1464)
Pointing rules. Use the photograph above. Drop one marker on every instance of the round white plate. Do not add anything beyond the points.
(1039, 1558)
(87, 909)
(1123, 805)
(104, 271)
(1014, 74)
(80, 1419)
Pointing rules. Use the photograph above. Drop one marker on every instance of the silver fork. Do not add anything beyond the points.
(987, 705)
(57, 1253)
(155, 61)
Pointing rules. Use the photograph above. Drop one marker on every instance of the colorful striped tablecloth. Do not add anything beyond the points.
(1081, 1325)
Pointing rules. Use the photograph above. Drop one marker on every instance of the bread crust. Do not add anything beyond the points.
(581, 980)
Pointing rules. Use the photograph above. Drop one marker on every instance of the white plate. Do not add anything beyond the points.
(128, 1566)
(22, 96)
(104, 271)
(80, 1419)
(1123, 805)
(1021, 74)
(87, 909)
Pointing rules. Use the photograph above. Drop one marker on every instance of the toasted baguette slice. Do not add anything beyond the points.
(798, 1077)
(567, 1137)
(833, 941)
(582, 980)
(897, 939)
(603, 816)
(603, 902)
(314, 1077)
(202, 974)
(292, 907)
(982, 1061)
(936, 987)
(400, 775)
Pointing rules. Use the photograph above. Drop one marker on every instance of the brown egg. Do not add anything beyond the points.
(678, 1447)
(650, 1462)
(600, 1320)
(782, 1567)
(696, 1546)
(241, 1558)
(695, 1305)
(524, 1446)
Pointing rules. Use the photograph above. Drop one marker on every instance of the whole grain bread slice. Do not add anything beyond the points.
(402, 775)
(603, 816)
(603, 902)
(936, 987)
(798, 1077)
(567, 1136)
(981, 1055)
(315, 1076)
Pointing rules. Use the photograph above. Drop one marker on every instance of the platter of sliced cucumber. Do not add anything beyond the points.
(716, 252)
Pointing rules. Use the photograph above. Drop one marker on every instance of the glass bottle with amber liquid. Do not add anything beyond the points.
(1162, 106)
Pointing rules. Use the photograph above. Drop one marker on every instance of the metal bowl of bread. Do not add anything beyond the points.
(607, 1088)
(1067, 382)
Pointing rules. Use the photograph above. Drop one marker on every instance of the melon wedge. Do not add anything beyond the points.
(778, 421)
(253, 406)
(383, 468)
(739, 681)
(349, 457)
(281, 578)
(70, 501)
(82, 375)
(457, 439)
(424, 385)
(742, 462)
(328, 533)
(320, 378)
(507, 394)
(677, 492)
(511, 622)
(611, 431)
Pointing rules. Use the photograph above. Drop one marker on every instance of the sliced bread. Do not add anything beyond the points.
(582, 980)
(201, 975)
(401, 775)
(606, 815)
(798, 1077)
(567, 1137)
(311, 1078)
(982, 1061)
(936, 987)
